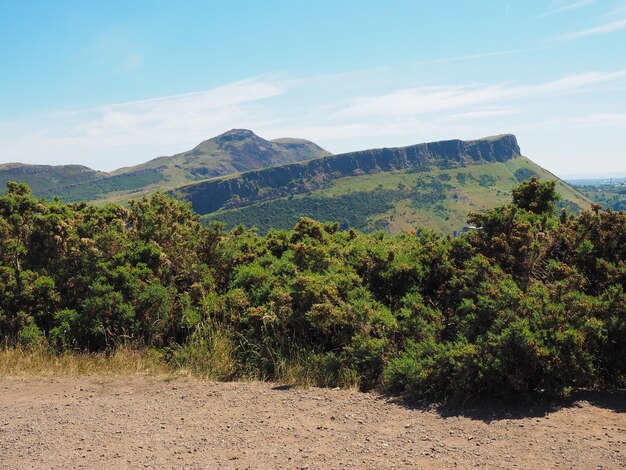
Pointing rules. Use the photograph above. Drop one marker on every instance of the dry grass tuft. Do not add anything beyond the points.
(213, 352)
(210, 354)
(44, 362)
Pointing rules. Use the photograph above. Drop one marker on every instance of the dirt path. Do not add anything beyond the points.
(136, 423)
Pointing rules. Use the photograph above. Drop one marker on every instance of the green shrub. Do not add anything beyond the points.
(31, 336)
(526, 304)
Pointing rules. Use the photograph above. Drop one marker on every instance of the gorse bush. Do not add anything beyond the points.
(531, 302)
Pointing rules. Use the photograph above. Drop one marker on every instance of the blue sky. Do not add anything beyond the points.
(110, 84)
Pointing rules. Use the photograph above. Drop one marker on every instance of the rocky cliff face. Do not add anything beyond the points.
(281, 181)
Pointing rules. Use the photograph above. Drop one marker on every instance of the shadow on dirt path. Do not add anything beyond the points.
(496, 410)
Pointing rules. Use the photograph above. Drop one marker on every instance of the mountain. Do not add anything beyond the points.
(434, 185)
(241, 178)
(237, 150)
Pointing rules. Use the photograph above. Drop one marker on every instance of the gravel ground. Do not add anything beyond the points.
(139, 423)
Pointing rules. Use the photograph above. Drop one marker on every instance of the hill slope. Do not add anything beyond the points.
(287, 180)
(427, 185)
(232, 152)
(235, 151)
(46, 178)
(400, 200)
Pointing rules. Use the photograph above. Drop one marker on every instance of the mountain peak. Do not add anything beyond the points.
(236, 134)
(233, 151)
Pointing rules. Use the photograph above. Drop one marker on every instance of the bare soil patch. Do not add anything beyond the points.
(148, 423)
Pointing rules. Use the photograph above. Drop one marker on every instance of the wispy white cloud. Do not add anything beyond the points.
(601, 119)
(144, 128)
(424, 100)
(420, 100)
(585, 121)
(360, 74)
(180, 114)
(341, 112)
(602, 29)
(572, 82)
(483, 114)
(482, 55)
(620, 10)
(569, 7)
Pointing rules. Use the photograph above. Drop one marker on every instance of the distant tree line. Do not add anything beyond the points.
(606, 195)
(531, 302)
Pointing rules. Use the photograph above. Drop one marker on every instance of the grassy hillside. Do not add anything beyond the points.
(235, 151)
(117, 187)
(269, 184)
(304, 177)
(47, 178)
(400, 200)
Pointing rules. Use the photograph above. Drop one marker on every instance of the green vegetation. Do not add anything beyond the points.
(47, 178)
(399, 201)
(532, 303)
(524, 174)
(353, 210)
(610, 196)
(354, 170)
(103, 187)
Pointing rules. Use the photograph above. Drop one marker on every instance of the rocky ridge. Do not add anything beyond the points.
(286, 180)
